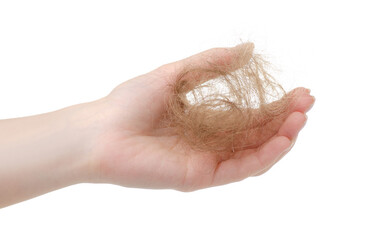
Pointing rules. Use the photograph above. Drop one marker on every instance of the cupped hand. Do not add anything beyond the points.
(133, 150)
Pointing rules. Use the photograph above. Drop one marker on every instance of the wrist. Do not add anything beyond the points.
(42, 153)
(83, 127)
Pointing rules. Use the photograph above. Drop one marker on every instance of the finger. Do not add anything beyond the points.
(300, 101)
(290, 129)
(250, 162)
(236, 169)
(268, 168)
(292, 125)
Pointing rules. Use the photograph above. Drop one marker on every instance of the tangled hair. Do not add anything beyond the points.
(219, 108)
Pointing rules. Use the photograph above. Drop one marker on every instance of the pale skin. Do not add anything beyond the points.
(117, 139)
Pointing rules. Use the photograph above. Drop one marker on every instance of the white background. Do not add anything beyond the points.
(58, 53)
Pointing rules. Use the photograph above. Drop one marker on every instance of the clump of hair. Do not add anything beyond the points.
(220, 107)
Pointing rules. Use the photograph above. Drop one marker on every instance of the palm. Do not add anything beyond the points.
(137, 152)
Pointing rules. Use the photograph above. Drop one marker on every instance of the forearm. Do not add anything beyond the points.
(41, 153)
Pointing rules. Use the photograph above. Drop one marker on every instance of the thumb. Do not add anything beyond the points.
(211, 59)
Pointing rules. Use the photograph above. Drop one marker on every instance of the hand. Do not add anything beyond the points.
(118, 139)
(131, 149)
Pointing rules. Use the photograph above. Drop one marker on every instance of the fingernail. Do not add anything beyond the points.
(313, 102)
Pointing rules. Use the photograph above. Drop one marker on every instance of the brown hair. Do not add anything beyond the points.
(218, 108)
